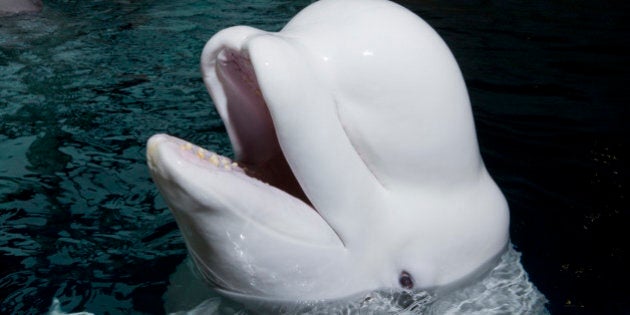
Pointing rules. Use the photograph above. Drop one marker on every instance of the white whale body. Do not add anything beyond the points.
(357, 165)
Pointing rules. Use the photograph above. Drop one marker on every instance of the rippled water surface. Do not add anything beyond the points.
(83, 85)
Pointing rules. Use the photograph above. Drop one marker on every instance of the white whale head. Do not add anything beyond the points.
(358, 164)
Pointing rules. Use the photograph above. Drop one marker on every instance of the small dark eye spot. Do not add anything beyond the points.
(405, 280)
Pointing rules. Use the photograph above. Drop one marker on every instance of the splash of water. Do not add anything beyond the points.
(55, 309)
(506, 289)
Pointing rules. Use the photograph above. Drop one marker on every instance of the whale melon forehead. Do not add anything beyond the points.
(382, 65)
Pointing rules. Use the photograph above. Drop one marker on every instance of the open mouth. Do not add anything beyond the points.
(250, 125)
(281, 140)
(259, 162)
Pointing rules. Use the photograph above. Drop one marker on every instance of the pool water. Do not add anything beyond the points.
(84, 84)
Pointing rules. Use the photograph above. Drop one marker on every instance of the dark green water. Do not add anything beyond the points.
(82, 87)
(84, 84)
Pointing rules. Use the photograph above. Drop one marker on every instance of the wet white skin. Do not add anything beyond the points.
(357, 160)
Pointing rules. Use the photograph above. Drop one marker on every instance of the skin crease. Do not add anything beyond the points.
(365, 164)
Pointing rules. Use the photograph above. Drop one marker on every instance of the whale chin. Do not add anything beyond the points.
(356, 161)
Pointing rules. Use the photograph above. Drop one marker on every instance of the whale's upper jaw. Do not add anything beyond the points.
(277, 111)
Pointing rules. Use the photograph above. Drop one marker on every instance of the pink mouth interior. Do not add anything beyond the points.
(252, 131)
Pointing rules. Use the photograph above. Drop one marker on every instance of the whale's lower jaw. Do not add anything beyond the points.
(244, 235)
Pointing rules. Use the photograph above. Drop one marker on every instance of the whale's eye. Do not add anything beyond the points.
(405, 280)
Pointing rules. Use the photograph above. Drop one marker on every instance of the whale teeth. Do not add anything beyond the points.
(200, 153)
(186, 146)
(214, 159)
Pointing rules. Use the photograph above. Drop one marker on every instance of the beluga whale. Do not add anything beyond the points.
(356, 165)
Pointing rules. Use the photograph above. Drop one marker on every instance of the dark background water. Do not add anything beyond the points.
(548, 83)
(84, 84)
